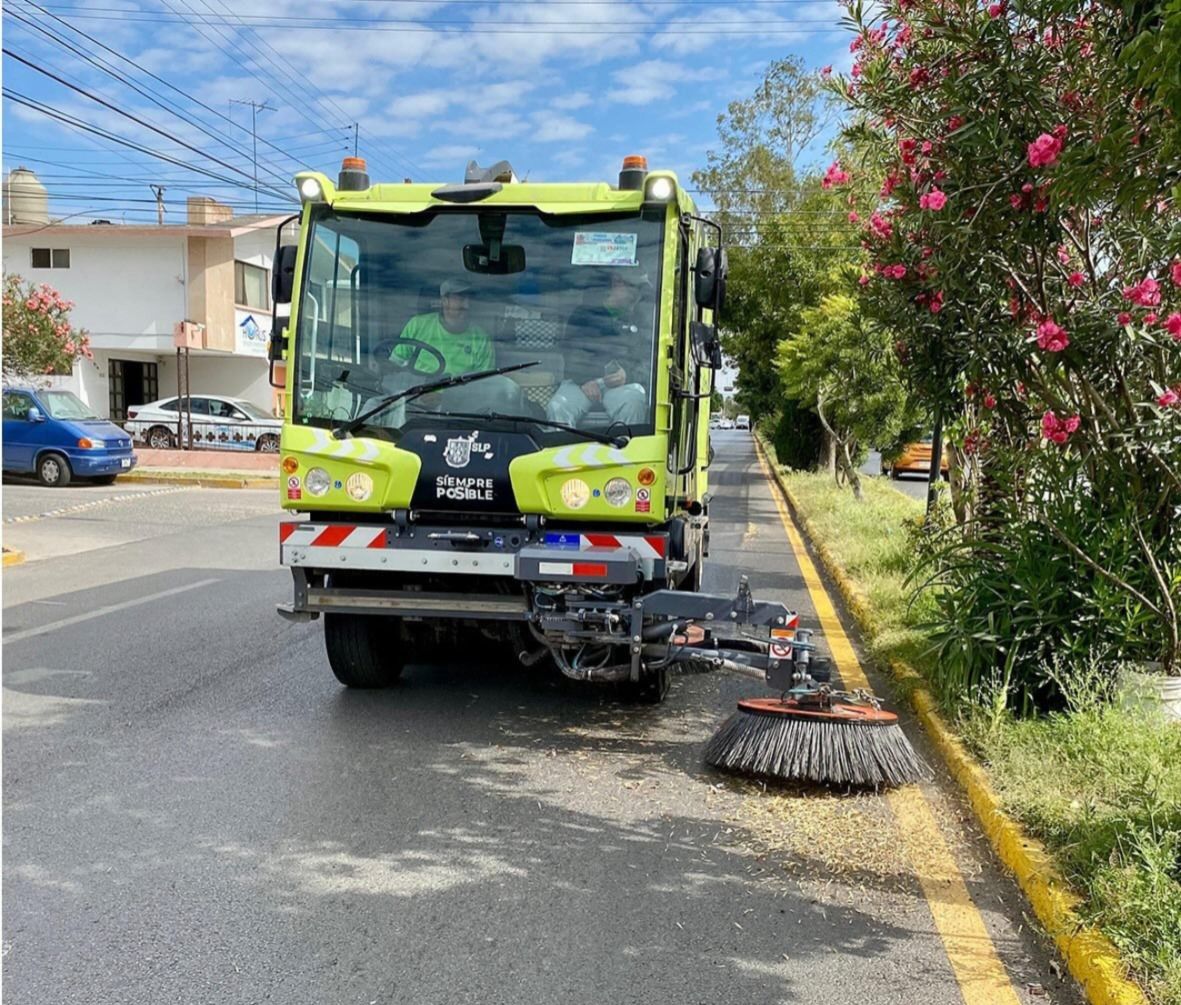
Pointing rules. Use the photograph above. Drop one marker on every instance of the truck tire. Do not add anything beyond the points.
(650, 689)
(359, 652)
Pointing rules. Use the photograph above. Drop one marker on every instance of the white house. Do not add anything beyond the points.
(133, 284)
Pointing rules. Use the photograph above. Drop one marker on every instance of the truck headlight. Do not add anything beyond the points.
(317, 481)
(618, 492)
(575, 493)
(359, 486)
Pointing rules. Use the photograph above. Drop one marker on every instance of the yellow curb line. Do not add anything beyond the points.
(13, 556)
(202, 481)
(1091, 957)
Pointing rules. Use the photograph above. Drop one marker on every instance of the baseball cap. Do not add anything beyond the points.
(449, 286)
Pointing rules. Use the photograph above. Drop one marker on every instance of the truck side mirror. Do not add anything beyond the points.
(705, 279)
(283, 274)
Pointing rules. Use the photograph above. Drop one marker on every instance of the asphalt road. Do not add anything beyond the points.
(194, 810)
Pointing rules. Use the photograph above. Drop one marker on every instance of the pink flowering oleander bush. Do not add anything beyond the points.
(38, 337)
(1028, 183)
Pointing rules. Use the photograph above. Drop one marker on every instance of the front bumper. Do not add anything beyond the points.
(517, 552)
(86, 463)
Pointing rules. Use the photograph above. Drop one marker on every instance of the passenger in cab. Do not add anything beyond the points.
(607, 358)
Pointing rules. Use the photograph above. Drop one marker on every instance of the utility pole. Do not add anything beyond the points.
(158, 192)
(255, 108)
(356, 136)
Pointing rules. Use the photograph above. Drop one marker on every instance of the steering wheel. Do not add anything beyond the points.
(383, 355)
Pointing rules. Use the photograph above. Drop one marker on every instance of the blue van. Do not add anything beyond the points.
(53, 435)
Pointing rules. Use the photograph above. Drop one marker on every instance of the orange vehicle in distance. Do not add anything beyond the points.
(915, 459)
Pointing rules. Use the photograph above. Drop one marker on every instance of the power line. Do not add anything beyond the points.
(148, 73)
(70, 120)
(296, 23)
(170, 107)
(127, 115)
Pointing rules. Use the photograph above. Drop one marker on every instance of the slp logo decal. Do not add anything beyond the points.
(458, 452)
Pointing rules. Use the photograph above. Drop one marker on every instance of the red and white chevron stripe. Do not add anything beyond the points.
(333, 535)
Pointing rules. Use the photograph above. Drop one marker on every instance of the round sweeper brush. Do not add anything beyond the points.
(841, 743)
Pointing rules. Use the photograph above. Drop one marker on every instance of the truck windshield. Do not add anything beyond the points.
(388, 302)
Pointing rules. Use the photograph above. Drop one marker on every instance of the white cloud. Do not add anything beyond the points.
(654, 80)
(419, 106)
(571, 102)
(553, 128)
(450, 154)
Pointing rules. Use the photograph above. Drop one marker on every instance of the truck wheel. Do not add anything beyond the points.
(53, 470)
(650, 689)
(359, 652)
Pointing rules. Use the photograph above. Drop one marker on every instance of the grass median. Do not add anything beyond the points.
(1099, 785)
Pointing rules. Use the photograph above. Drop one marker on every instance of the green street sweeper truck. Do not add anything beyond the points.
(497, 424)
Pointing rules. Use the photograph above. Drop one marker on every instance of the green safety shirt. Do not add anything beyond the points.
(463, 352)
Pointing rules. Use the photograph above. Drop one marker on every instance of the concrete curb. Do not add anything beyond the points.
(200, 479)
(13, 556)
(1091, 957)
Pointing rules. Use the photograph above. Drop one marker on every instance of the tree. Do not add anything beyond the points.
(38, 337)
(1028, 242)
(842, 364)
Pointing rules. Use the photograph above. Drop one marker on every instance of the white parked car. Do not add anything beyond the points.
(218, 424)
(726, 424)
(743, 422)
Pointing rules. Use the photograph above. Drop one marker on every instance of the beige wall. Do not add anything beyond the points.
(211, 289)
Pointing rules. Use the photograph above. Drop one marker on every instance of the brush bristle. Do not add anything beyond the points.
(792, 748)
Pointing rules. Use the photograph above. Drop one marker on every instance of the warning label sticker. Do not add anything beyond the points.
(643, 501)
(293, 489)
(596, 247)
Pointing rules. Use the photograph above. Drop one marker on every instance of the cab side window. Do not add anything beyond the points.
(16, 406)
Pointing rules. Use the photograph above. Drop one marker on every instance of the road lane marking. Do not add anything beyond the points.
(99, 612)
(92, 504)
(978, 970)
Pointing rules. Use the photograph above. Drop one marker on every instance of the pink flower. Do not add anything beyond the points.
(989, 402)
(1086, 50)
(834, 176)
(894, 271)
(906, 149)
(936, 304)
(854, 218)
(1123, 319)
(1175, 273)
(933, 200)
(1015, 201)
(954, 123)
(1173, 326)
(996, 10)
(863, 280)
(881, 227)
(1170, 397)
(1145, 293)
(1051, 337)
(826, 71)
(31, 303)
(856, 71)
(1044, 151)
(1058, 430)
(1150, 318)
(919, 76)
(1076, 279)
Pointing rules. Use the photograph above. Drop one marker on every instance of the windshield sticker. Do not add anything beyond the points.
(596, 247)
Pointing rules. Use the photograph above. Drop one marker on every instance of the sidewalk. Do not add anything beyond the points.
(210, 468)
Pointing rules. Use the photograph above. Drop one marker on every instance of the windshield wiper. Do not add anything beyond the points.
(418, 390)
(489, 416)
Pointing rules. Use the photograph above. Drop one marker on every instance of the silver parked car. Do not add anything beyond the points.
(218, 423)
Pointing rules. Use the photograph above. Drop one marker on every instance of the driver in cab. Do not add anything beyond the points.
(464, 346)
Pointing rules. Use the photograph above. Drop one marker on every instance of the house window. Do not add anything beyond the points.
(250, 286)
(50, 258)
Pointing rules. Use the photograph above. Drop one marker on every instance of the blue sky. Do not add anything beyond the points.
(561, 88)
